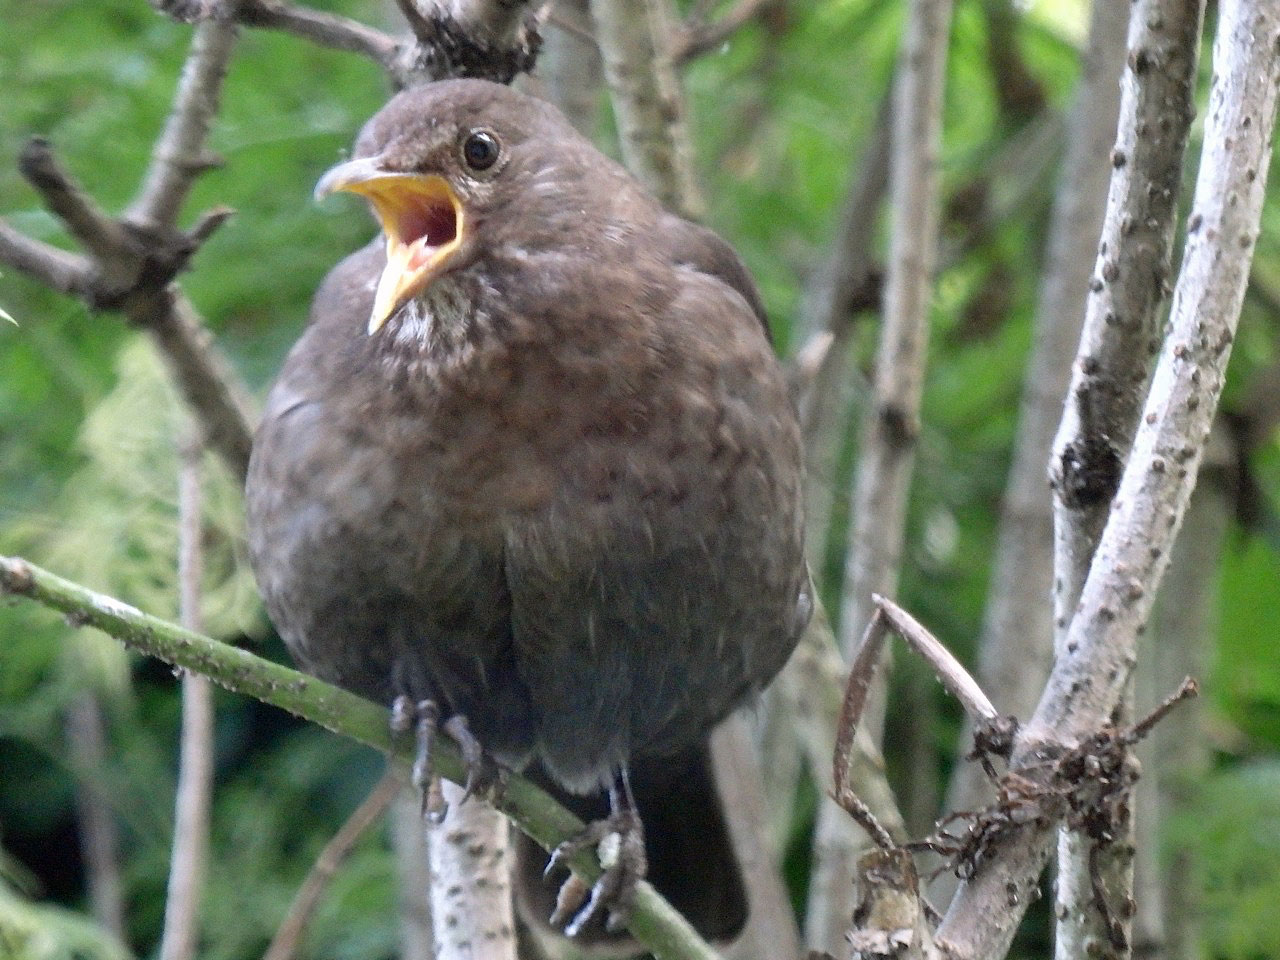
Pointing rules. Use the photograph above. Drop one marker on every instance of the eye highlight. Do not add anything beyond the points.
(480, 150)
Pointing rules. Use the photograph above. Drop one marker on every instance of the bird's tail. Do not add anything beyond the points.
(687, 843)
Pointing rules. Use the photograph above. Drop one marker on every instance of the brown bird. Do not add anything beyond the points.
(533, 465)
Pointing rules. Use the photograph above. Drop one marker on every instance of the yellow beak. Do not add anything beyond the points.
(422, 218)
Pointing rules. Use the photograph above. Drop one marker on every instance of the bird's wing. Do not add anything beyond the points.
(694, 245)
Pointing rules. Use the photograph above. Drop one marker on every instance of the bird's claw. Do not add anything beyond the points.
(619, 843)
(423, 718)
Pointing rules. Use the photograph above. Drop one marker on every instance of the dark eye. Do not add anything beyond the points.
(480, 150)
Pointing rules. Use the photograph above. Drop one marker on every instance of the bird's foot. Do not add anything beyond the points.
(423, 718)
(619, 843)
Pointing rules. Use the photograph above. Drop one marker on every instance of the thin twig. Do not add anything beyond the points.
(694, 39)
(1142, 728)
(323, 29)
(948, 669)
(861, 674)
(189, 859)
(64, 272)
(289, 934)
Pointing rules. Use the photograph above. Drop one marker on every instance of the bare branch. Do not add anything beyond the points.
(188, 861)
(105, 239)
(1016, 645)
(771, 929)
(634, 36)
(289, 934)
(1121, 329)
(1091, 671)
(327, 30)
(570, 66)
(471, 903)
(694, 39)
(889, 435)
(889, 441)
(950, 672)
(206, 381)
(410, 840)
(64, 272)
(1121, 326)
(179, 155)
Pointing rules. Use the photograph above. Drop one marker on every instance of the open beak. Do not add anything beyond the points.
(422, 218)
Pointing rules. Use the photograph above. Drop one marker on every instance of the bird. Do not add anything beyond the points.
(533, 467)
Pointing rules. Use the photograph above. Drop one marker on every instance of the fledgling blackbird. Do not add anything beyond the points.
(534, 466)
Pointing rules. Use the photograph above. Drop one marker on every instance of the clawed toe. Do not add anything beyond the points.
(619, 844)
(423, 718)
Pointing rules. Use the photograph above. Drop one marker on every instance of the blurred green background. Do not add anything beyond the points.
(89, 431)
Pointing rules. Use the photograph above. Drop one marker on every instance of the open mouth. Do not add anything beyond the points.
(422, 219)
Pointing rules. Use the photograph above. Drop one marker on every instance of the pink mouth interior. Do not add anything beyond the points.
(432, 221)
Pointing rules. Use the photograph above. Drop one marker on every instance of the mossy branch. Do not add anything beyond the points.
(655, 922)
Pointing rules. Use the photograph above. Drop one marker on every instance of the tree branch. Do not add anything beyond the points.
(1092, 669)
(1110, 377)
(330, 30)
(1016, 645)
(188, 861)
(1121, 325)
(285, 943)
(634, 39)
(887, 450)
(693, 39)
(64, 272)
(179, 155)
(655, 923)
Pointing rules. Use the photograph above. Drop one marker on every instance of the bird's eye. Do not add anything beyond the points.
(480, 150)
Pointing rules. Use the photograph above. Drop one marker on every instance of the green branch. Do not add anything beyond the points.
(655, 922)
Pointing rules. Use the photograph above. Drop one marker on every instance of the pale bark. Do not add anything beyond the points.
(1090, 674)
(413, 900)
(635, 42)
(1109, 383)
(1183, 623)
(471, 904)
(95, 818)
(570, 69)
(1016, 644)
(189, 859)
(771, 930)
(888, 446)
(1122, 319)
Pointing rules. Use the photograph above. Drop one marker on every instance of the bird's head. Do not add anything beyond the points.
(439, 164)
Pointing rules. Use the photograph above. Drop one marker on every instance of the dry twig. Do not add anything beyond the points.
(289, 934)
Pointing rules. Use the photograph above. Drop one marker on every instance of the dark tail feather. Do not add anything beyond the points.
(691, 859)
